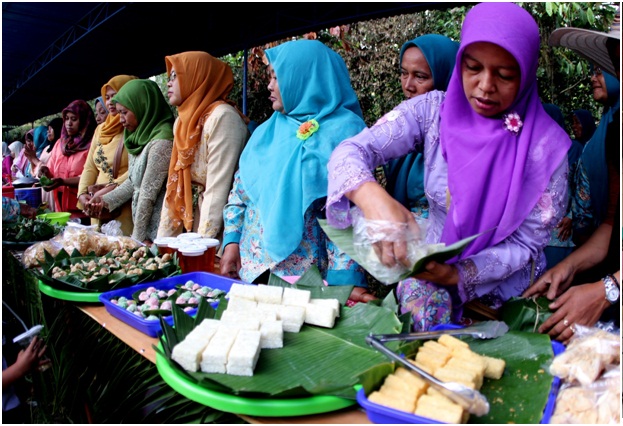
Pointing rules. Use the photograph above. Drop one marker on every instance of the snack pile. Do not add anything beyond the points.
(256, 317)
(591, 375)
(448, 359)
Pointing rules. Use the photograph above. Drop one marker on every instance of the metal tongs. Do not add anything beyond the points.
(470, 399)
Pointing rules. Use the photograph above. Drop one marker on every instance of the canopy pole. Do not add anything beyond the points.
(244, 81)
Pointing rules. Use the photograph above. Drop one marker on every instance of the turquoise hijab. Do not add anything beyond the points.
(405, 175)
(594, 155)
(40, 139)
(281, 173)
(152, 111)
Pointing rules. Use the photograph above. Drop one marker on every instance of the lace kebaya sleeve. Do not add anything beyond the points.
(400, 131)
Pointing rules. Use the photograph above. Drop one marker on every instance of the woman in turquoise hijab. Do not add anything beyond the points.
(280, 188)
(426, 64)
(148, 137)
(590, 199)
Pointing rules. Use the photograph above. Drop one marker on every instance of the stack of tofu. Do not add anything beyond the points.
(449, 360)
(256, 317)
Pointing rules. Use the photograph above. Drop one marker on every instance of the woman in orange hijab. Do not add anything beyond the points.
(107, 161)
(209, 135)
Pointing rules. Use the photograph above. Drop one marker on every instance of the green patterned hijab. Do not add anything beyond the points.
(154, 116)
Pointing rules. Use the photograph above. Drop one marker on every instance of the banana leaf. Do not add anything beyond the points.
(526, 314)
(315, 361)
(343, 238)
(312, 281)
(72, 282)
(521, 394)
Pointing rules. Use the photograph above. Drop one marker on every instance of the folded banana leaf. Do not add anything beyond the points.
(343, 238)
(75, 281)
(526, 314)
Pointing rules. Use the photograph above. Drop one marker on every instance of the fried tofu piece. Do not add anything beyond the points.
(494, 367)
(451, 374)
(478, 370)
(392, 401)
(452, 342)
(438, 407)
(431, 358)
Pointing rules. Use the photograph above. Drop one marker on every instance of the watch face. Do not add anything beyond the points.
(613, 294)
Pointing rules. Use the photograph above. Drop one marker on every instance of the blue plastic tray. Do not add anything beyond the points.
(152, 328)
(385, 415)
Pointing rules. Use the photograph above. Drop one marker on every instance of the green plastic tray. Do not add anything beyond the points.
(71, 296)
(248, 406)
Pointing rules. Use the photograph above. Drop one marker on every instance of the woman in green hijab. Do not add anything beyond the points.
(148, 137)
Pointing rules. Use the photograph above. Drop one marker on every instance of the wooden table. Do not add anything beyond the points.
(143, 344)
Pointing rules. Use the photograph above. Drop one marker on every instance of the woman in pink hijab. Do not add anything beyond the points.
(495, 163)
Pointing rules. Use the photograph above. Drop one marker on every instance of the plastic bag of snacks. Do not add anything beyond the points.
(590, 369)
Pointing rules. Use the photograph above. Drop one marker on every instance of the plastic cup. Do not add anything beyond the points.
(194, 258)
(174, 246)
(163, 244)
(186, 236)
(210, 255)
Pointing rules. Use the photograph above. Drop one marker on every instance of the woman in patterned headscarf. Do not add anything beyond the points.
(69, 155)
(106, 151)
(210, 133)
(148, 137)
(495, 165)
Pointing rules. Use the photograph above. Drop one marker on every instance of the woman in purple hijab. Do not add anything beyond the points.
(495, 163)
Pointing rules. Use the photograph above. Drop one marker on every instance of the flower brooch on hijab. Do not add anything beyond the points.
(512, 122)
(307, 129)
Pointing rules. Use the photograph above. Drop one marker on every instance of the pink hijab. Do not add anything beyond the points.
(496, 177)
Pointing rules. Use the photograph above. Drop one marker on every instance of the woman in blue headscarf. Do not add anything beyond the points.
(426, 64)
(590, 199)
(270, 220)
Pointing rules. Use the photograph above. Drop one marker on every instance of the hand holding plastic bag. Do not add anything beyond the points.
(369, 235)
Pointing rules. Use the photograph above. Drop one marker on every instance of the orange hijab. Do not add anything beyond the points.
(112, 126)
(205, 83)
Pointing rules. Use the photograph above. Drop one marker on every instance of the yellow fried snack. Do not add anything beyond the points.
(478, 370)
(457, 375)
(440, 408)
(393, 401)
(431, 358)
(452, 342)
(494, 367)
(411, 378)
(434, 345)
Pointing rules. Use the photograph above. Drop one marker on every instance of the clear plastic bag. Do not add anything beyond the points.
(112, 228)
(366, 233)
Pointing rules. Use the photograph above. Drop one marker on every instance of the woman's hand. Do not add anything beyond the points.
(376, 204)
(564, 229)
(96, 205)
(553, 282)
(439, 273)
(230, 261)
(56, 182)
(579, 305)
(84, 200)
(360, 294)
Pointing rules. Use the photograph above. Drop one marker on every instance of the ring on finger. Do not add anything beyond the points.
(572, 328)
(566, 322)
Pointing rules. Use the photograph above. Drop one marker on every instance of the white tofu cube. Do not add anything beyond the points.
(214, 357)
(321, 315)
(269, 294)
(244, 353)
(245, 291)
(271, 334)
(295, 297)
(334, 303)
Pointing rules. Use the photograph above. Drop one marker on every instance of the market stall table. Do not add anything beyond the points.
(143, 344)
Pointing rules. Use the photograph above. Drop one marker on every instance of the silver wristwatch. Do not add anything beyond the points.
(612, 290)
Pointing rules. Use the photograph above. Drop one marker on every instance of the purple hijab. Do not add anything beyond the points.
(495, 177)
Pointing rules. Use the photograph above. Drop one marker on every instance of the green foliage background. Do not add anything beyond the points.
(370, 50)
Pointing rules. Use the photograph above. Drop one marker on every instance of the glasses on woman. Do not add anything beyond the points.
(597, 70)
(172, 77)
